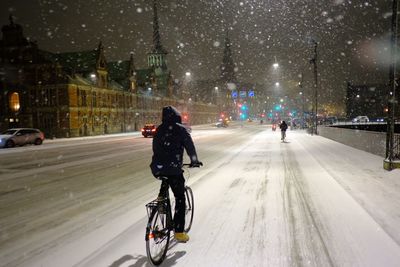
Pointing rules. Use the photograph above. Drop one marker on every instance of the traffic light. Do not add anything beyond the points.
(185, 117)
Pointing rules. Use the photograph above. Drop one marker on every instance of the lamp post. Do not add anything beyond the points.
(302, 100)
(388, 163)
(216, 92)
(314, 62)
(185, 89)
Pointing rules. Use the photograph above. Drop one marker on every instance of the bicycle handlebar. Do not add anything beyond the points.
(194, 165)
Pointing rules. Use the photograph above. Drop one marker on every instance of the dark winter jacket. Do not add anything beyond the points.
(168, 143)
(283, 126)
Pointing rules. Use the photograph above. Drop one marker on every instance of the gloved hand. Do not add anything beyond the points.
(196, 164)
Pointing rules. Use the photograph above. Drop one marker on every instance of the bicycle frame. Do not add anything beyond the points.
(166, 205)
(160, 223)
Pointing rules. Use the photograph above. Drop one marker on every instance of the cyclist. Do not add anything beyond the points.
(283, 127)
(170, 140)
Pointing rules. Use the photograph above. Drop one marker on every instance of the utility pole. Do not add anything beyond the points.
(302, 100)
(388, 163)
(314, 62)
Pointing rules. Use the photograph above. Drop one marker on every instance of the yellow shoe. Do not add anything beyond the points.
(181, 237)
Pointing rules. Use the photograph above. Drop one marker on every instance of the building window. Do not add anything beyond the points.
(84, 102)
(94, 102)
(14, 102)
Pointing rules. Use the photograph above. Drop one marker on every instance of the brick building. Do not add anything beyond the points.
(80, 93)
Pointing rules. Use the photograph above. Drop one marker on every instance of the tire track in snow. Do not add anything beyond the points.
(303, 227)
(255, 223)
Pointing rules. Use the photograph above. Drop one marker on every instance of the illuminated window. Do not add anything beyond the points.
(14, 102)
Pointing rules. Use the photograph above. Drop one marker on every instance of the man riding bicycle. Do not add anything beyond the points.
(170, 140)
(283, 127)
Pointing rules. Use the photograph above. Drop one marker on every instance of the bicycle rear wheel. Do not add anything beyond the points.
(157, 237)
(189, 208)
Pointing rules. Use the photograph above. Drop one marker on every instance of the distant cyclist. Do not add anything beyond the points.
(170, 140)
(283, 127)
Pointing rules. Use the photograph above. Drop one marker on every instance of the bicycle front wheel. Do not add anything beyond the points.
(189, 208)
(157, 237)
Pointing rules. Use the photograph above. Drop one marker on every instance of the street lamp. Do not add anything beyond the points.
(275, 65)
(390, 156)
(188, 74)
(314, 62)
(302, 99)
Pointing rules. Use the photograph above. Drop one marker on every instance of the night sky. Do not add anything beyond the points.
(352, 36)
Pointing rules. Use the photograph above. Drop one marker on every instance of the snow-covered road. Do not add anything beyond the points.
(258, 202)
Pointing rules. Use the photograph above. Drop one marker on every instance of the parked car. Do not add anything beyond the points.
(330, 120)
(362, 119)
(21, 136)
(149, 130)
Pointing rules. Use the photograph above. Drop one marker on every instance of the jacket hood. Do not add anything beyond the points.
(171, 115)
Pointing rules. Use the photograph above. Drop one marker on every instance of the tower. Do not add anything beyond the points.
(132, 75)
(156, 59)
(101, 67)
(228, 66)
(227, 79)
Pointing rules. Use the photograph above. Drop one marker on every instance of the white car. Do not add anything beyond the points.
(361, 119)
(21, 136)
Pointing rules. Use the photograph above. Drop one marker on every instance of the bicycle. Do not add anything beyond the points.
(283, 136)
(160, 223)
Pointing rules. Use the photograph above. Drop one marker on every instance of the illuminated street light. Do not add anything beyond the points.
(277, 84)
(188, 74)
(275, 65)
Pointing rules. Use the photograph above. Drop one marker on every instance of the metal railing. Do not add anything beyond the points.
(396, 146)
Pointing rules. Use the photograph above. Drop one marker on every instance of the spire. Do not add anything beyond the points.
(100, 46)
(100, 60)
(101, 64)
(157, 46)
(11, 19)
(132, 67)
(228, 66)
